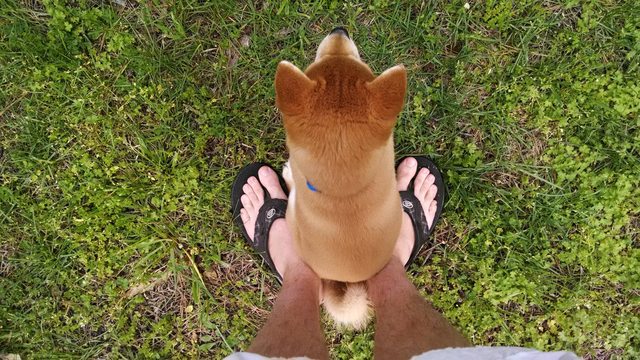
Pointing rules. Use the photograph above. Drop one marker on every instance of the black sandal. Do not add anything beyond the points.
(269, 212)
(412, 206)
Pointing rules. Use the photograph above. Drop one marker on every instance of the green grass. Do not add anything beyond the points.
(122, 127)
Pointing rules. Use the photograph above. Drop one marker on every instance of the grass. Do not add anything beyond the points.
(122, 125)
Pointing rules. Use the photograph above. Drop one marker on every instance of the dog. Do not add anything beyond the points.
(344, 208)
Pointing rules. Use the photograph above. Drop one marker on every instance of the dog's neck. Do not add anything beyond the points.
(311, 187)
(340, 176)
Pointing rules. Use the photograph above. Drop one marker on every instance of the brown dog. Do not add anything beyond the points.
(344, 209)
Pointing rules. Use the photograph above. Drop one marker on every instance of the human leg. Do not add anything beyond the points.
(293, 327)
(406, 324)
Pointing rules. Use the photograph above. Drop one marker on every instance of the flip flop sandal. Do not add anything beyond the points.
(269, 212)
(412, 206)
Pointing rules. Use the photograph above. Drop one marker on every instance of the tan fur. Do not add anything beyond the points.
(339, 120)
(347, 303)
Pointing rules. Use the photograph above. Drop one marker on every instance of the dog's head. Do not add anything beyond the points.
(338, 108)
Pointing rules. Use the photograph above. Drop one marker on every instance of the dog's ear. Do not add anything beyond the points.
(293, 89)
(387, 93)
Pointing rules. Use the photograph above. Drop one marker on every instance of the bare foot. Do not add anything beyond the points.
(425, 190)
(280, 242)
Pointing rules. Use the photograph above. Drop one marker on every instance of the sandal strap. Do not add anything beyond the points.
(270, 211)
(412, 206)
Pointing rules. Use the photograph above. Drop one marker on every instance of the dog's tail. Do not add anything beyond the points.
(347, 303)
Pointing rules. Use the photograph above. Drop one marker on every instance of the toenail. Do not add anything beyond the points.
(412, 162)
(264, 171)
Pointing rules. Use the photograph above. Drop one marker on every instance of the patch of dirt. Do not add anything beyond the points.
(502, 179)
(6, 252)
(284, 32)
(123, 4)
(447, 236)
(529, 147)
(603, 354)
(566, 17)
(475, 96)
(521, 115)
(429, 68)
(233, 52)
(490, 335)
(242, 273)
(467, 130)
(212, 147)
(233, 55)
(166, 296)
(225, 153)
(476, 27)
(170, 294)
(34, 5)
(452, 49)
(144, 287)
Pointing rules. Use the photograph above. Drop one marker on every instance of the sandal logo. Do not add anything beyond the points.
(407, 204)
(270, 213)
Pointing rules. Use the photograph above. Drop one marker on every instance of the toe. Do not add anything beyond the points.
(244, 216)
(247, 214)
(248, 190)
(431, 193)
(246, 203)
(406, 170)
(270, 180)
(428, 182)
(257, 188)
(431, 213)
(419, 182)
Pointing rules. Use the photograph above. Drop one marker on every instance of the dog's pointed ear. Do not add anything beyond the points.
(387, 93)
(293, 89)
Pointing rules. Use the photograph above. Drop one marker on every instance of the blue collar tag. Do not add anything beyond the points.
(311, 187)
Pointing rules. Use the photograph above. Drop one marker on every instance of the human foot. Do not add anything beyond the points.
(280, 244)
(425, 190)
